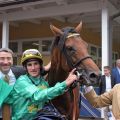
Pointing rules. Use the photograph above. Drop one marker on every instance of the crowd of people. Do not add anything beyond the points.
(24, 93)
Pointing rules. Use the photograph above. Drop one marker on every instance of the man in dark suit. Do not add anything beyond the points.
(116, 71)
(107, 81)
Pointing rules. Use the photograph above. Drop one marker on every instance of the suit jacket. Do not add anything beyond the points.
(102, 83)
(116, 75)
(108, 98)
(18, 71)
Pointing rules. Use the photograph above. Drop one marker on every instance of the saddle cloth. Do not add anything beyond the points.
(49, 112)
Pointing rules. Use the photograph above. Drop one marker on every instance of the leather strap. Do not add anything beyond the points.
(6, 112)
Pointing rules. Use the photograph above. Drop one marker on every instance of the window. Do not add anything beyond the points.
(13, 46)
(46, 45)
(114, 58)
(93, 51)
(99, 52)
(30, 45)
(15, 60)
(0, 44)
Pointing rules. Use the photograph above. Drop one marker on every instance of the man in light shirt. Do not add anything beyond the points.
(107, 81)
(6, 69)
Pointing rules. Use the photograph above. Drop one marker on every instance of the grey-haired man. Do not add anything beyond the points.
(6, 68)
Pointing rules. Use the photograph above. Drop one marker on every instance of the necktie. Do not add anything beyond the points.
(6, 108)
(6, 78)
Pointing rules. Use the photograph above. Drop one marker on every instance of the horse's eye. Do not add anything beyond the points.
(71, 49)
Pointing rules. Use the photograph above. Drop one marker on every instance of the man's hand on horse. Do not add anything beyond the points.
(71, 77)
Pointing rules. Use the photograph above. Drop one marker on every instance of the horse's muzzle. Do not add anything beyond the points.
(94, 79)
(87, 78)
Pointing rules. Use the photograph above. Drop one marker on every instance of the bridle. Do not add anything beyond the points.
(63, 49)
(60, 44)
(70, 61)
(79, 71)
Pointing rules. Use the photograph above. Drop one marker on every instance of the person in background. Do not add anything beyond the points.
(31, 94)
(107, 82)
(116, 72)
(12, 73)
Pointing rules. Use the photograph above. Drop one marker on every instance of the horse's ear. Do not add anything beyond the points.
(78, 27)
(56, 31)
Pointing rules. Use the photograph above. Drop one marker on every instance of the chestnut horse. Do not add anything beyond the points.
(69, 51)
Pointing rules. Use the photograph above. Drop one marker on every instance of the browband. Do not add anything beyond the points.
(72, 35)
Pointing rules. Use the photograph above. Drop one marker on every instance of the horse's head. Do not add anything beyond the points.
(74, 50)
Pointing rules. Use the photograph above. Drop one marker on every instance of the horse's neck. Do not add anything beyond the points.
(56, 75)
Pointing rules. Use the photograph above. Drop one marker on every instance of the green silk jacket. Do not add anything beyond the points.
(5, 89)
(29, 96)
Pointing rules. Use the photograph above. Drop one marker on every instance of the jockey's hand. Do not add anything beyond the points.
(47, 67)
(71, 77)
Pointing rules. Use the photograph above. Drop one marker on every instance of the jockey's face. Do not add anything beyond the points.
(33, 68)
(6, 61)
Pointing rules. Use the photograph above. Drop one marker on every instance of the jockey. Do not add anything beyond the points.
(31, 94)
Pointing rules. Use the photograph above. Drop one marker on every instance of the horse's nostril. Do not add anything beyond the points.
(94, 78)
(92, 75)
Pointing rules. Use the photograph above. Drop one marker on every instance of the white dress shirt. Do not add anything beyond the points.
(11, 76)
(108, 83)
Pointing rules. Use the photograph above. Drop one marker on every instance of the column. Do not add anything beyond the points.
(5, 33)
(105, 35)
(105, 38)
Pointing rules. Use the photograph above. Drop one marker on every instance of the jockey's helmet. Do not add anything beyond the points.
(31, 54)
